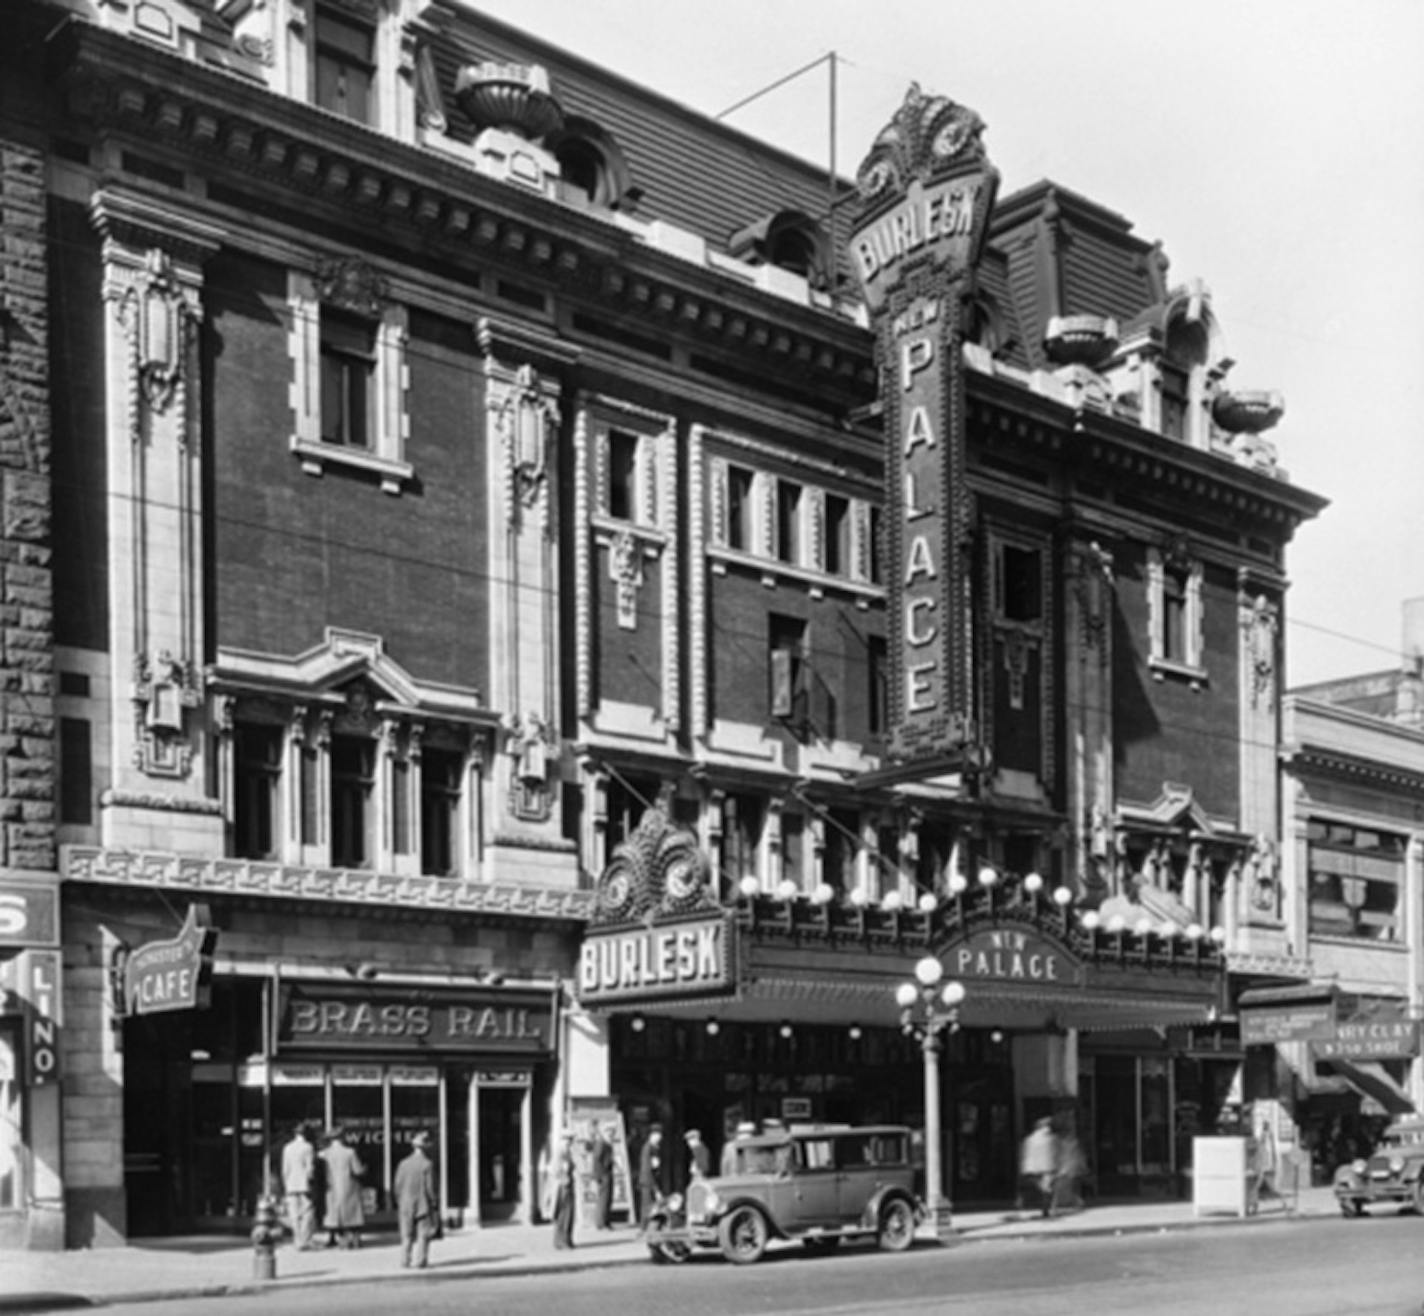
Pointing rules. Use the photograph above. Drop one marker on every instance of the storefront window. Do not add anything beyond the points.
(11, 1146)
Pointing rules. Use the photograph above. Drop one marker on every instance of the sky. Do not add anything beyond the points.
(1274, 147)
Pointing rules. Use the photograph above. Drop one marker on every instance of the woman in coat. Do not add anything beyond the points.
(344, 1215)
(564, 1192)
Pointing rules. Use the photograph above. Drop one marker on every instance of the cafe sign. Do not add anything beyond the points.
(338, 1017)
(161, 976)
(1014, 955)
(677, 957)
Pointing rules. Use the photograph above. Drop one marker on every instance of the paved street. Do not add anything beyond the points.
(1320, 1267)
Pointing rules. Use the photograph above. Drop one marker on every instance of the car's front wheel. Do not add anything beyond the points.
(743, 1234)
(897, 1226)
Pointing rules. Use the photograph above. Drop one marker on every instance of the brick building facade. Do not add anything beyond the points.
(466, 456)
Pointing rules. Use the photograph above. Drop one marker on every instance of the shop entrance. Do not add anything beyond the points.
(985, 1158)
(500, 1123)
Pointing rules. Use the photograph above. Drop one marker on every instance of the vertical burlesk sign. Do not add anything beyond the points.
(926, 189)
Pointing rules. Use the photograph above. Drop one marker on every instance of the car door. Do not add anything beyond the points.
(815, 1186)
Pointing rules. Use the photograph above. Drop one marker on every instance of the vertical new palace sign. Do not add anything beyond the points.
(926, 190)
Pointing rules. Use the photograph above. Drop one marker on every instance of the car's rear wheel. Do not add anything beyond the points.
(897, 1226)
(743, 1234)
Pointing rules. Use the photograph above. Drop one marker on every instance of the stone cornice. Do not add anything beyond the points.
(343, 177)
(1352, 767)
(200, 874)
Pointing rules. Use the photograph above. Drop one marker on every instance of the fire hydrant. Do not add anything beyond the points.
(265, 1233)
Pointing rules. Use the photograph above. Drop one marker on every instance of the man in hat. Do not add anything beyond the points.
(650, 1174)
(745, 1129)
(344, 1213)
(417, 1206)
(698, 1157)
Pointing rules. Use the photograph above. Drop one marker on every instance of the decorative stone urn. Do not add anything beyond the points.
(511, 97)
(1080, 340)
(1247, 412)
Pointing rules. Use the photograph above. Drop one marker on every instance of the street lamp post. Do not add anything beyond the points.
(928, 1010)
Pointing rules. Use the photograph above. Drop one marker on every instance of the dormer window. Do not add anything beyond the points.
(790, 240)
(344, 64)
(591, 167)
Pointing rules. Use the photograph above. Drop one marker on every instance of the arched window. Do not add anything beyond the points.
(790, 239)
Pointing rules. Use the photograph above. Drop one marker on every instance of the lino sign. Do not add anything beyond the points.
(1012, 955)
(172, 975)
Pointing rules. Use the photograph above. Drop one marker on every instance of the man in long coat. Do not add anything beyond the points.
(417, 1205)
(298, 1186)
(650, 1174)
(344, 1213)
(602, 1166)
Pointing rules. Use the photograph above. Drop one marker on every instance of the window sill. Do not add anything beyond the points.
(1162, 668)
(316, 457)
(772, 571)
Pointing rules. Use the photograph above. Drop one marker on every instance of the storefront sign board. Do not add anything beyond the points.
(336, 1017)
(674, 958)
(40, 989)
(29, 913)
(1305, 1022)
(1383, 1037)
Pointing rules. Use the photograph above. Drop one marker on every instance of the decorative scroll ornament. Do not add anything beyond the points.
(530, 739)
(163, 689)
(625, 566)
(659, 869)
(1264, 879)
(927, 135)
(1260, 620)
(524, 421)
(159, 318)
(351, 285)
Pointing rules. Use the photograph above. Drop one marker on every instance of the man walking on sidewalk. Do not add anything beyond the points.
(417, 1206)
(298, 1183)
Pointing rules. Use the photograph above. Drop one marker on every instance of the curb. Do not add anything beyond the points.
(44, 1302)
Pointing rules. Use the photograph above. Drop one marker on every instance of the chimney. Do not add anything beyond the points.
(1409, 697)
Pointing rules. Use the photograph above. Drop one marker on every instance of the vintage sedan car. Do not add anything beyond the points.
(1394, 1171)
(819, 1185)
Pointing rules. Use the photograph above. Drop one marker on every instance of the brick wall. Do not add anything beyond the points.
(27, 743)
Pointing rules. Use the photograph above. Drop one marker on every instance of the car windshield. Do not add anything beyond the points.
(765, 1159)
(1408, 1135)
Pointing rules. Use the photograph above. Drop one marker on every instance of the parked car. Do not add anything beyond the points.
(1394, 1171)
(819, 1185)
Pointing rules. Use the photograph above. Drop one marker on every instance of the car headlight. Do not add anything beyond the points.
(710, 1203)
(1396, 1164)
(1359, 1167)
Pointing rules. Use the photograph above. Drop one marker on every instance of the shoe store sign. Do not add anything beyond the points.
(1382, 1036)
(676, 958)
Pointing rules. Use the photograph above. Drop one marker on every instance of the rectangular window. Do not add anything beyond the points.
(440, 774)
(788, 521)
(739, 509)
(257, 772)
(401, 840)
(1356, 882)
(622, 475)
(344, 63)
(311, 795)
(786, 644)
(348, 376)
(1020, 583)
(793, 849)
(1175, 603)
(76, 772)
(877, 547)
(842, 833)
(742, 817)
(352, 781)
(837, 535)
(878, 694)
(1174, 614)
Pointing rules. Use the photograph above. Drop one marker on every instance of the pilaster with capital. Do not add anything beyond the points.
(152, 292)
(1259, 737)
(1088, 704)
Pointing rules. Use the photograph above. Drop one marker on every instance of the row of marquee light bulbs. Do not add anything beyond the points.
(1033, 884)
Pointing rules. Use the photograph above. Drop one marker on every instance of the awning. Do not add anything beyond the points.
(1372, 1080)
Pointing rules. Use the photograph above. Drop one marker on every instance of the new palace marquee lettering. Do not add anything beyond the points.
(1011, 955)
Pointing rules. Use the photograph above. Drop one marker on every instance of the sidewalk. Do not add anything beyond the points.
(211, 1266)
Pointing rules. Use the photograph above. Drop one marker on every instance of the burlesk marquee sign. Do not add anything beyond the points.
(926, 190)
(689, 956)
